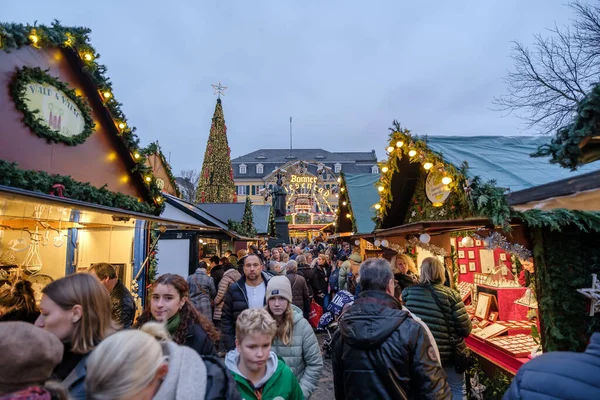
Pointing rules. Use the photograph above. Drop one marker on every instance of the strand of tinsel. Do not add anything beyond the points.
(497, 241)
(433, 249)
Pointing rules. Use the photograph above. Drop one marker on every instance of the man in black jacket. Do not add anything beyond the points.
(381, 352)
(123, 305)
(248, 292)
(216, 270)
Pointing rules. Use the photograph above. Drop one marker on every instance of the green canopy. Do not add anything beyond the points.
(363, 195)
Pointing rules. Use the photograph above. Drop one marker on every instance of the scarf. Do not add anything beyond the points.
(173, 323)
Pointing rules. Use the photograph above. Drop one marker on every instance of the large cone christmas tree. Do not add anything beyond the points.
(216, 179)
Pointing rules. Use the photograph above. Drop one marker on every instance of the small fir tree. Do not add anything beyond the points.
(248, 219)
(272, 231)
(216, 179)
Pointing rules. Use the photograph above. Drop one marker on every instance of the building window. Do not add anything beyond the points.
(337, 168)
(259, 168)
(374, 169)
(241, 190)
(242, 168)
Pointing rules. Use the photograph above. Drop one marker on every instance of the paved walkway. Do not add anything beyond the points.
(325, 389)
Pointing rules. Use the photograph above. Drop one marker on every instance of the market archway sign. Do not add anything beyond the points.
(51, 108)
(436, 191)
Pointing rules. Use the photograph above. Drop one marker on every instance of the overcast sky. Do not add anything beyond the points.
(344, 69)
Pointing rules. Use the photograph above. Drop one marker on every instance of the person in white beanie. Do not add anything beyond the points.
(295, 340)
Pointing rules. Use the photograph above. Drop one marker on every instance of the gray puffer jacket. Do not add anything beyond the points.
(303, 354)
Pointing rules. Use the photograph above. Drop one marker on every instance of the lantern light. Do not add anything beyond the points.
(343, 203)
(136, 156)
(339, 180)
(158, 199)
(427, 165)
(446, 180)
(399, 143)
(424, 238)
(148, 179)
(412, 153)
(88, 56)
(390, 149)
(381, 188)
(348, 215)
(106, 94)
(122, 125)
(34, 38)
(342, 189)
(384, 169)
(377, 206)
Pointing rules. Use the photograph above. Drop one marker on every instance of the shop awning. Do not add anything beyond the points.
(55, 211)
(432, 227)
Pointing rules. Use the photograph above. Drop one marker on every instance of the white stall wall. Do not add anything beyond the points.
(111, 246)
(174, 256)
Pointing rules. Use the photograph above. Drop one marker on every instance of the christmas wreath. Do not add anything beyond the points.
(32, 118)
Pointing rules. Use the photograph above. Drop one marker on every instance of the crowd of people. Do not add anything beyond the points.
(238, 327)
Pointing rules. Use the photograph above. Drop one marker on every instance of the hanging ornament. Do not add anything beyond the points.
(593, 294)
(377, 242)
(385, 243)
(425, 238)
(467, 241)
(357, 242)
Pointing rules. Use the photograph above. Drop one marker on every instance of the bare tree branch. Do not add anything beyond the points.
(549, 80)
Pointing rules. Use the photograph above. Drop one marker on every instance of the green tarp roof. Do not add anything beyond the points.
(363, 195)
(506, 159)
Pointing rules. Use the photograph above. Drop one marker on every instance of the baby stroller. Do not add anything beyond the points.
(329, 320)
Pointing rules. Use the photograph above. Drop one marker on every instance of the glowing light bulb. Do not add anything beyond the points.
(343, 203)
(106, 94)
(399, 143)
(381, 188)
(412, 153)
(446, 180)
(148, 179)
(427, 165)
(377, 206)
(158, 199)
(88, 57)
(339, 180)
(348, 215)
(390, 149)
(342, 189)
(122, 125)
(34, 38)
(136, 156)
(384, 169)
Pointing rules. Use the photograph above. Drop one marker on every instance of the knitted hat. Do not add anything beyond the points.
(279, 286)
(355, 257)
(30, 355)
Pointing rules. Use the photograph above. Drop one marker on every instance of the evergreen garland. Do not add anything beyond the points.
(152, 260)
(272, 231)
(76, 39)
(32, 118)
(216, 178)
(42, 182)
(154, 148)
(564, 148)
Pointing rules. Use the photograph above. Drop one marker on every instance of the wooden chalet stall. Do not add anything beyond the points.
(447, 197)
(74, 186)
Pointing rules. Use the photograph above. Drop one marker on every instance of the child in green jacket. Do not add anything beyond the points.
(257, 371)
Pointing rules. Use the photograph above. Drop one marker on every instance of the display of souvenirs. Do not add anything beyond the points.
(528, 299)
(480, 279)
(465, 289)
(489, 331)
(516, 345)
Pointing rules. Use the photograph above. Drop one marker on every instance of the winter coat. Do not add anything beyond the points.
(278, 383)
(320, 282)
(74, 383)
(202, 291)
(199, 340)
(308, 273)
(123, 305)
(230, 276)
(216, 273)
(419, 301)
(300, 293)
(404, 281)
(559, 375)
(236, 301)
(380, 352)
(303, 354)
(334, 279)
(343, 275)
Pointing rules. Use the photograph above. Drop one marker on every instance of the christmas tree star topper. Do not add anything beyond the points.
(593, 294)
(219, 89)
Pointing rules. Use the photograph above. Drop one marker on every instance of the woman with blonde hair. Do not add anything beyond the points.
(76, 309)
(145, 364)
(443, 311)
(295, 340)
(405, 272)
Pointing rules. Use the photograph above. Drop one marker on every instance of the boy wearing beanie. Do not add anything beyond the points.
(257, 371)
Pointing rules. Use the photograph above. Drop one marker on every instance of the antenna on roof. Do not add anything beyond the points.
(290, 136)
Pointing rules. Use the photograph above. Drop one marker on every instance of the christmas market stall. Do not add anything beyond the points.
(446, 197)
(75, 187)
(358, 200)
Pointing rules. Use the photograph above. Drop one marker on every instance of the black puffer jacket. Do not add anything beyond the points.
(236, 301)
(308, 273)
(199, 340)
(419, 301)
(123, 305)
(380, 352)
